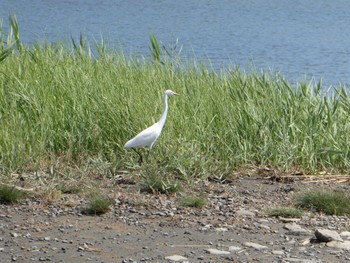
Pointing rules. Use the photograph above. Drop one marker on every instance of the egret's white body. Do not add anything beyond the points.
(149, 136)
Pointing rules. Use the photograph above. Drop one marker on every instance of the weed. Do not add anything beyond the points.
(157, 184)
(98, 204)
(289, 212)
(11, 195)
(193, 201)
(331, 202)
(67, 188)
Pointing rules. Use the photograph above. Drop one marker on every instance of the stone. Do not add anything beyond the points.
(255, 245)
(338, 244)
(295, 229)
(278, 252)
(14, 235)
(289, 220)
(345, 234)
(245, 213)
(326, 235)
(301, 260)
(234, 248)
(176, 258)
(221, 229)
(215, 251)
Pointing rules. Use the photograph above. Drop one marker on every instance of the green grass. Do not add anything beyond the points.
(154, 183)
(11, 195)
(69, 102)
(67, 188)
(98, 204)
(288, 212)
(193, 201)
(331, 202)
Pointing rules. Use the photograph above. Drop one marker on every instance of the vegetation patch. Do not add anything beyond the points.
(48, 195)
(193, 201)
(330, 202)
(288, 212)
(67, 188)
(158, 184)
(70, 103)
(98, 204)
(11, 195)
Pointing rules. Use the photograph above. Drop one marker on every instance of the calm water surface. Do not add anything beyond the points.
(296, 37)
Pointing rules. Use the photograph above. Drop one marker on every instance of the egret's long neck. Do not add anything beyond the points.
(162, 120)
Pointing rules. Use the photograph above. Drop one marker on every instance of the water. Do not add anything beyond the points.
(299, 38)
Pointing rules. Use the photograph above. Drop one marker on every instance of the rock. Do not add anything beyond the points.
(295, 229)
(278, 252)
(14, 235)
(215, 251)
(245, 213)
(339, 244)
(255, 245)
(301, 260)
(289, 220)
(221, 229)
(326, 235)
(345, 234)
(234, 248)
(176, 258)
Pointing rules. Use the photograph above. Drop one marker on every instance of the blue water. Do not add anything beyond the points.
(299, 38)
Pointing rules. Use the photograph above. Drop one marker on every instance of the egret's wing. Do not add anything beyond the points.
(145, 138)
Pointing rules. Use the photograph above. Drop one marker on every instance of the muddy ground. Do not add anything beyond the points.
(234, 226)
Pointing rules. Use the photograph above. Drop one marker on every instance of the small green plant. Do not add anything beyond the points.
(193, 201)
(289, 212)
(67, 188)
(98, 204)
(10, 195)
(331, 202)
(156, 184)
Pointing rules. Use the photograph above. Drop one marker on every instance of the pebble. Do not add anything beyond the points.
(255, 245)
(215, 251)
(301, 260)
(176, 258)
(221, 229)
(277, 252)
(234, 248)
(244, 213)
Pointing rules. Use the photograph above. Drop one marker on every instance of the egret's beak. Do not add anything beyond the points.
(176, 94)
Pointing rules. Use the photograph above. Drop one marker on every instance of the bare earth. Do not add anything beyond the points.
(145, 227)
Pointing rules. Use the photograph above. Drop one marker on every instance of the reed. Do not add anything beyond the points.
(74, 103)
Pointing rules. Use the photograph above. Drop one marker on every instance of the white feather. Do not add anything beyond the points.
(149, 136)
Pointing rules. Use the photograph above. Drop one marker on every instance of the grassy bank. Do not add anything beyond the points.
(69, 106)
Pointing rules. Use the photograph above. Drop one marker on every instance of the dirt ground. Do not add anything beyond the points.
(141, 227)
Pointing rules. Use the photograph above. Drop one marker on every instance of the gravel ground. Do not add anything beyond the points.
(141, 227)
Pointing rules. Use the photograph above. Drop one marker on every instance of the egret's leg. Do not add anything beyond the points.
(140, 155)
(149, 151)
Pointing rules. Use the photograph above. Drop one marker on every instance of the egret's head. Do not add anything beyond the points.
(170, 93)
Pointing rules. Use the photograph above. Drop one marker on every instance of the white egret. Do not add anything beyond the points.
(149, 136)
